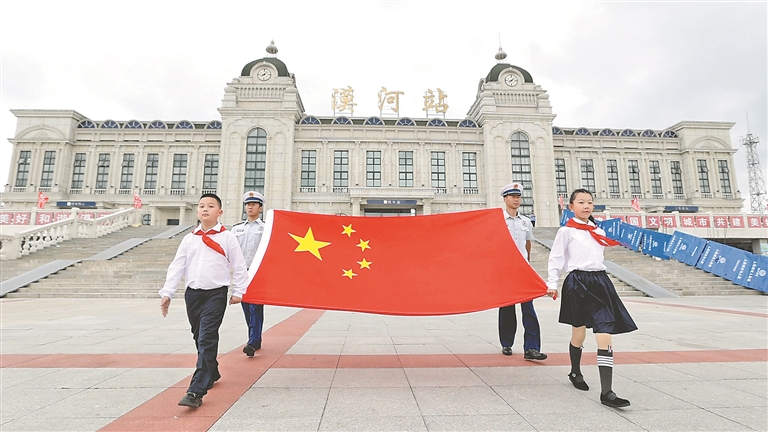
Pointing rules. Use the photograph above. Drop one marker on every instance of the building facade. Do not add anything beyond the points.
(376, 166)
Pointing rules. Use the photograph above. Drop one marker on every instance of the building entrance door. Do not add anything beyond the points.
(389, 212)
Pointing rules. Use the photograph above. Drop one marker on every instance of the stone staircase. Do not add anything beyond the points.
(677, 277)
(138, 273)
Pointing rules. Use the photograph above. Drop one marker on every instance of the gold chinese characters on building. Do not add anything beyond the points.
(438, 106)
(389, 98)
(343, 99)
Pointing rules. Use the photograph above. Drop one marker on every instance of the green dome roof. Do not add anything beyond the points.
(493, 75)
(282, 69)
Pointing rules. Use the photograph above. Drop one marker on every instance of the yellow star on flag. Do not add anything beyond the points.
(363, 245)
(309, 244)
(348, 273)
(365, 264)
(348, 230)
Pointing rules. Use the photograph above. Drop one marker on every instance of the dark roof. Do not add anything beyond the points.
(493, 75)
(282, 69)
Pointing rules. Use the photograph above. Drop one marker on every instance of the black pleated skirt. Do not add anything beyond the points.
(589, 299)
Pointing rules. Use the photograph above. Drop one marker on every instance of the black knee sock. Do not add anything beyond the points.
(605, 366)
(575, 353)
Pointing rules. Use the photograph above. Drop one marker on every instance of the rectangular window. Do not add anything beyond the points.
(612, 169)
(78, 171)
(49, 161)
(256, 161)
(126, 175)
(469, 172)
(634, 178)
(308, 168)
(179, 176)
(560, 178)
(211, 171)
(725, 176)
(150, 178)
(340, 169)
(655, 171)
(22, 173)
(405, 168)
(677, 177)
(438, 171)
(373, 168)
(703, 171)
(588, 175)
(102, 171)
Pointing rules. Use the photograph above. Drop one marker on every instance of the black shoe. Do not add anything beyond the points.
(249, 350)
(616, 402)
(191, 400)
(257, 346)
(578, 381)
(534, 354)
(506, 351)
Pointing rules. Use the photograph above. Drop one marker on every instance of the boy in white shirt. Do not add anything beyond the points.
(205, 258)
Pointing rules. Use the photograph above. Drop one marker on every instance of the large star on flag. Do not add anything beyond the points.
(309, 244)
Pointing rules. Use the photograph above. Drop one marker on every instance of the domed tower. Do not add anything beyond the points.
(517, 124)
(259, 112)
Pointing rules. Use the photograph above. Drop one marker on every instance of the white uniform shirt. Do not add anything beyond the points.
(249, 236)
(204, 268)
(521, 230)
(574, 249)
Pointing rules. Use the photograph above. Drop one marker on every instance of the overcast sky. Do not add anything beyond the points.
(615, 65)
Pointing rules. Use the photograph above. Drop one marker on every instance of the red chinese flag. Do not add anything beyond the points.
(421, 265)
(636, 204)
(136, 201)
(41, 199)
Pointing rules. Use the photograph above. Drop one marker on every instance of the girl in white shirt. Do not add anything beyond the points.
(589, 298)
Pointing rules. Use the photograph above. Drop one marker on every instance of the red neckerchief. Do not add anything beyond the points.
(209, 241)
(603, 240)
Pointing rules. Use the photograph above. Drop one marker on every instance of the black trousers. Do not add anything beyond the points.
(205, 310)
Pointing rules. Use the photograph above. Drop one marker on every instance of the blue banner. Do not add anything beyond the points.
(655, 243)
(631, 236)
(736, 263)
(686, 248)
(757, 277)
(612, 228)
(565, 217)
(715, 258)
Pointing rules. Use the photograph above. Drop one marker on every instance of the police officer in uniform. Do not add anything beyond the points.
(248, 233)
(521, 229)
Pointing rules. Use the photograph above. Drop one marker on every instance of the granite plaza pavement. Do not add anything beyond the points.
(697, 363)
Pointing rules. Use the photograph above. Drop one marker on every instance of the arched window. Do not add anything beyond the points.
(133, 124)
(255, 160)
(215, 124)
(468, 123)
(342, 121)
(557, 131)
(157, 124)
(628, 133)
(405, 121)
(607, 132)
(649, 134)
(309, 120)
(184, 125)
(86, 124)
(110, 124)
(669, 134)
(582, 132)
(374, 121)
(436, 123)
(521, 169)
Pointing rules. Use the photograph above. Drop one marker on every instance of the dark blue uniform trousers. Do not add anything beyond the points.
(254, 317)
(205, 310)
(508, 326)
